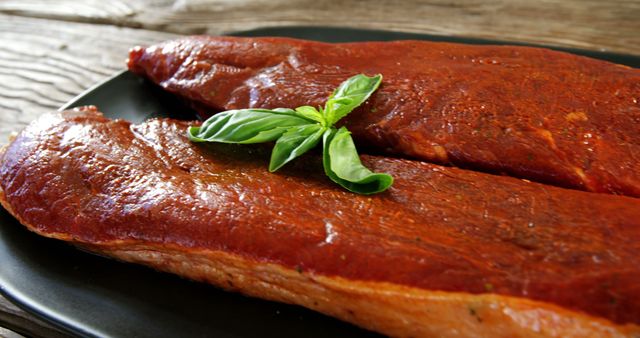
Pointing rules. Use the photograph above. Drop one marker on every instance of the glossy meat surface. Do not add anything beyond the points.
(532, 113)
(437, 228)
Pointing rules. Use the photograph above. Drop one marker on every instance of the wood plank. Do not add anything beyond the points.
(45, 63)
(591, 24)
(18, 323)
(5, 333)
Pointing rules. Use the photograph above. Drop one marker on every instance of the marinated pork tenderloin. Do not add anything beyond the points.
(445, 252)
(526, 112)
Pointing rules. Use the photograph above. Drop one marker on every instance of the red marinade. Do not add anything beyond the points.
(532, 113)
(436, 228)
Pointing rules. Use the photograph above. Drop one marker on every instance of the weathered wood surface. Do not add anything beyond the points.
(53, 51)
(595, 24)
(44, 63)
(20, 323)
(6, 333)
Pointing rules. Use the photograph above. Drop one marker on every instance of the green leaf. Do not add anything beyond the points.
(311, 113)
(295, 142)
(297, 131)
(342, 164)
(349, 95)
(247, 126)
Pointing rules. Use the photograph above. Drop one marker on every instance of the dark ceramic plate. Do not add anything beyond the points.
(89, 295)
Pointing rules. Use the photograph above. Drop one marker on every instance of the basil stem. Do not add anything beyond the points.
(342, 164)
(297, 131)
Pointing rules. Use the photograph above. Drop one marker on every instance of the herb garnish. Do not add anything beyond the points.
(297, 131)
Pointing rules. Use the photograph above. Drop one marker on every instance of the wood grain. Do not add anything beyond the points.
(20, 322)
(590, 24)
(44, 63)
(6, 333)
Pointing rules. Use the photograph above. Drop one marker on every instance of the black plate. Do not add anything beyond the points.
(92, 296)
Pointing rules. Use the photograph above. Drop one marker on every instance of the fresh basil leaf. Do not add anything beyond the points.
(349, 95)
(299, 130)
(247, 126)
(293, 143)
(342, 164)
(311, 113)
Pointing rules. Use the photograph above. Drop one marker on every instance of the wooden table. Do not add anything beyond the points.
(52, 51)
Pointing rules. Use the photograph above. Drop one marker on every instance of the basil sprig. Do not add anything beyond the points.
(297, 131)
